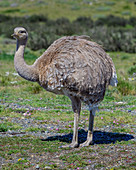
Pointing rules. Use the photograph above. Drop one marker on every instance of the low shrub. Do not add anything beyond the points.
(112, 32)
(132, 70)
(113, 21)
(124, 57)
(4, 18)
(37, 18)
(3, 127)
(125, 88)
(84, 22)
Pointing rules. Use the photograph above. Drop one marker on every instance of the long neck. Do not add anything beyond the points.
(28, 72)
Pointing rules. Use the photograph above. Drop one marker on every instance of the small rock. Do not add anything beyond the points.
(47, 167)
(9, 131)
(37, 167)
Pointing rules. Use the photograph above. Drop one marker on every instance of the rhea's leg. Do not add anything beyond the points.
(76, 106)
(90, 130)
(75, 131)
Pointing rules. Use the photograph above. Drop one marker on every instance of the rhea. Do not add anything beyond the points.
(72, 66)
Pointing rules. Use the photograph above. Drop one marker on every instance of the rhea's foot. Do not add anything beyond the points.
(72, 145)
(87, 143)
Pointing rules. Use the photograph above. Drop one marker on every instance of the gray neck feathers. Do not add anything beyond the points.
(28, 72)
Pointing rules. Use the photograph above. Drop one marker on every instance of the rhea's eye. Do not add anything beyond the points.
(22, 32)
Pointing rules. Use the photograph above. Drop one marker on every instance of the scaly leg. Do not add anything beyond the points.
(90, 130)
(74, 143)
(76, 106)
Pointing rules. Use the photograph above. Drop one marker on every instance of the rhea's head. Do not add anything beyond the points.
(20, 33)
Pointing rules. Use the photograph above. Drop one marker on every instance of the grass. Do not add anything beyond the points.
(7, 125)
(53, 113)
(132, 70)
(26, 149)
(69, 9)
(19, 148)
(48, 110)
(3, 127)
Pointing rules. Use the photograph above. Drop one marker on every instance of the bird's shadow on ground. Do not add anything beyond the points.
(99, 137)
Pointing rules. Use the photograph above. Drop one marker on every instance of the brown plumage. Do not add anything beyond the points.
(71, 66)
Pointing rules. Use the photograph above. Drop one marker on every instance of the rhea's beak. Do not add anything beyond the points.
(14, 35)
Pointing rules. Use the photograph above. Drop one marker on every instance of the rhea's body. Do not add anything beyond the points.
(71, 66)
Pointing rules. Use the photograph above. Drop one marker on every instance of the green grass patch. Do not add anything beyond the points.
(77, 159)
(132, 70)
(121, 130)
(125, 87)
(5, 126)
(31, 98)
(71, 9)
(11, 10)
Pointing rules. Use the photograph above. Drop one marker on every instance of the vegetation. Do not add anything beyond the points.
(71, 9)
(112, 32)
(132, 70)
(44, 112)
(29, 114)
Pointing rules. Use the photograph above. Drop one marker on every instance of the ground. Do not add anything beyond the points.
(35, 123)
(31, 136)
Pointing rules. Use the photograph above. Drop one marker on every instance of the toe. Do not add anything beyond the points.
(72, 145)
(86, 143)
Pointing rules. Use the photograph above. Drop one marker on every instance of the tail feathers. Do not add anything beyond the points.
(114, 81)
